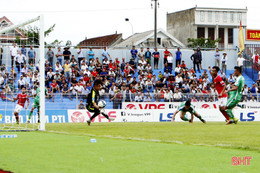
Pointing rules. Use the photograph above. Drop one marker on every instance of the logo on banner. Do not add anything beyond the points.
(250, 116)
(145, 106)
(130, 106)
(77, 117)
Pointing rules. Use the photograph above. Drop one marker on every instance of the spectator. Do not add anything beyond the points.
(224, 62)
(73, 91)
(231, 78)
(24, 50)
(67, 69)
(156, 56)
(2, 81)
(254, 89)
(141, 55)
(50, 56)
(20, 60)
(31, 55)
(256, 60)
(200, 57)
(117, 99)
(178, 56)
(168, 95)
(252, 99)
(138, 97)
(65, 90)
(148, 97)
(66, 54)
(240, 62)
(12, 86)
(196, 60)
(217, 58)
(222, 75)
(13, 53)
(134, 54)
(59, 55)
(148, 55)
(245, 99)
(105, 54)
(166, 55)
(194, 99)
(21, 83)
(54, 88)
(59, 68)
(80, 56)
(50, 74)
(91, 54)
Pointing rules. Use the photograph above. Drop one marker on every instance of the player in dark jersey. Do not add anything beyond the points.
(92, 102)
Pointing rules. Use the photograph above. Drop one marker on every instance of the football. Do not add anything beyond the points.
(102, 104)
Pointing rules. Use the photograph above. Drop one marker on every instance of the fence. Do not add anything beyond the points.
(58, 101)
(251, 68)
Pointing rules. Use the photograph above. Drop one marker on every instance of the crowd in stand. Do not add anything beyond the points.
(134, 80)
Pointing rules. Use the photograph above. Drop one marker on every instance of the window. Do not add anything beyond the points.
(200, 32)
(209, 16)
(202, 16)
(230, 35)
(217, 16)
(211, 33)
(225, 16)
(159, 41)
(232, 16)
(221, 34)
(239, 17)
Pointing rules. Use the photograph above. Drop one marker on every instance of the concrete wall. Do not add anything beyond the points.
(181, 25)
(207, 56)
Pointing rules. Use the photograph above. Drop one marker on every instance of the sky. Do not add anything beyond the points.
(75, 20)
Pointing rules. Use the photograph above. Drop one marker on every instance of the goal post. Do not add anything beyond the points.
(9, 33)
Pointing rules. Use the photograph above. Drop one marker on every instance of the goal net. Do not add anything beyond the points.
(20, 69)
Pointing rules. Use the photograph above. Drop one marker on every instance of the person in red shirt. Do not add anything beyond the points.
(54, 88)
(220, 87)
(183, 65)
(94, 73)
(22, 98)
(166, 54)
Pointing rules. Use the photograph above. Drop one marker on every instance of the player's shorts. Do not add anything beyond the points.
(18, 108)
(232, 102)
(222, 101)
(36, 103)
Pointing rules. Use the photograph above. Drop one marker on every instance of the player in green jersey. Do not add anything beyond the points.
(36, 104)
(235, 95)
(187, 107)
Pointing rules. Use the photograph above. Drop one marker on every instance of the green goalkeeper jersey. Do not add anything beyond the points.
(237, 94)
(38, 93)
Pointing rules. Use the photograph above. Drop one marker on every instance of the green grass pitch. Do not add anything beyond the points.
(133, 147)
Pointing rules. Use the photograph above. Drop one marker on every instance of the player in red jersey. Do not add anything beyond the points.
(220, 87)
(22, 98)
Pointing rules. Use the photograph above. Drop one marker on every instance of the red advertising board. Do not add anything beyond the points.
(253, 35)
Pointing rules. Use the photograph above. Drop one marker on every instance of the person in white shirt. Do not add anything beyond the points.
(256, 58)
(142, 61)
(2, 81)
(59, 55)
(83, 66)
(177, 70)
(138, 97)
(50, 74)
(224, 62)
(149, 84)
(240, 62)
(149, 68)
(178, 79)
(20, 60)
(21, 83)
(13, 52)
(167, 96)
(217, 57)
(140, 68)
(245, 99)
(141, 54)
(80, 55)
(252, 99)
(58, 67)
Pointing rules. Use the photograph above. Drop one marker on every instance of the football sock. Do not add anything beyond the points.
(185, 119)
(16, 117)
(230, 114)
(105, 115)
(30, 114)
(225, 114)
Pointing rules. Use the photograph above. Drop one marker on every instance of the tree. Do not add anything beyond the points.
(202, 42)
(32, 34)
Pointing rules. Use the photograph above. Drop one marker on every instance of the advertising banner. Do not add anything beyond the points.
(253, 35)
(51, 116)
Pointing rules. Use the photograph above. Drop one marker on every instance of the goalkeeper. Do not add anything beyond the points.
(187, 107)
(92, 102)
(36, 104)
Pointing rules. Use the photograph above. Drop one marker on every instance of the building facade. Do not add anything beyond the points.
(213, 23)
